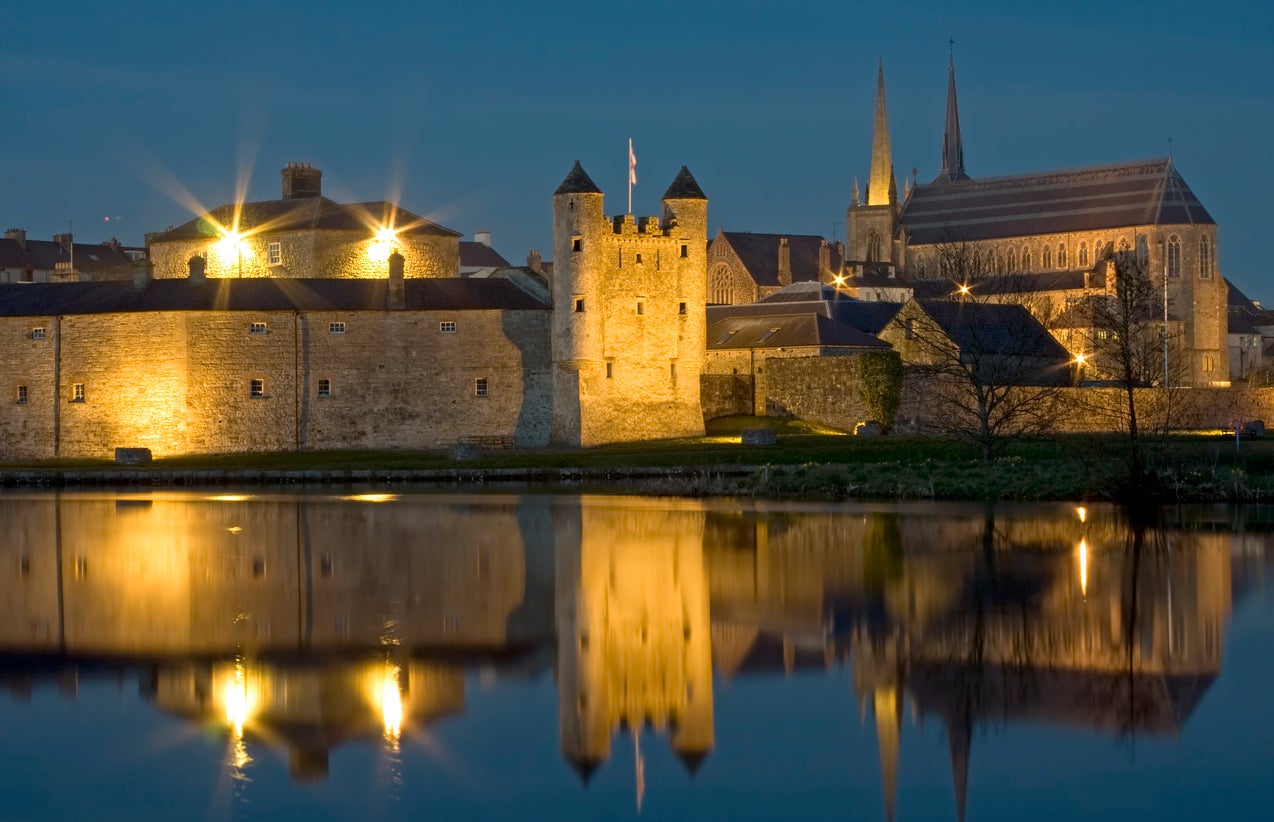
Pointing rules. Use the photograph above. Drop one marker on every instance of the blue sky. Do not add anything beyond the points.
(473, 112)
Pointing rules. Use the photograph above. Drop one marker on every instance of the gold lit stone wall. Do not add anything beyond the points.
(27, 429)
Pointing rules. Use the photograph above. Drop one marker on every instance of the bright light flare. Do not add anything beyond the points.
(232, 249)
(238, 705)
(383, 243)
(964, 289)
(1083, 567)
(1080, 359)
(391, 703)
(1082, 513)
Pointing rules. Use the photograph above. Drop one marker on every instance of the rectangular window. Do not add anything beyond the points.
(274, 253)
(672, 370)
(577, 244)
(638, 258)
(641, 307)
(685, 250)
(259, 328)
(22, 395)
(610, 370)
(37, 333)
(256, 389)
(77, 392)
(480, 387)
(336, 328)
(447, 327)
(325, 388)
(579, 305)
(681, 308)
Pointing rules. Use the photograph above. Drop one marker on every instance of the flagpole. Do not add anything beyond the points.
(630, 175)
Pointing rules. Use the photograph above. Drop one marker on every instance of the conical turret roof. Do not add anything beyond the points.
(577, 182)
(684, 187)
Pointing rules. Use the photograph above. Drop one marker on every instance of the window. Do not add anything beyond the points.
(577, 244)
(1012, 261)
(1083, 254)
(1174, 256)
(638, 259)
(259, 328)
(324, 388)
(77, 392)
(274, 253)
(579, 305)
(480, 387)
(22, 395)
(641, 307)
(681, 308)
(1061, 255)
(1205, 258)
(685, 250)
(766, 336)
(336, 328)
(873, 247)
(37, 333)
(1209, 363)
(672, 371)
(1123, 245)
(1048, 257)
(447, 327)
(720, 286)
(725, 338)
(256, 389)
(1026, 259)
(1143, 250)
(610, 370)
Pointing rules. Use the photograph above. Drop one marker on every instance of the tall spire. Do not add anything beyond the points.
(952, 144)
(880, 186)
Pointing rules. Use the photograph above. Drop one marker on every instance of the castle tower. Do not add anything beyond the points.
(869, 226)
(629, 320)
(952, 142)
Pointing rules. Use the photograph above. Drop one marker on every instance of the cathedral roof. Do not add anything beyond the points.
(577, 182)
(300, 214)
(864, 315)
(259, 294)
(1151, 192)
(759, 254)
(684, 187)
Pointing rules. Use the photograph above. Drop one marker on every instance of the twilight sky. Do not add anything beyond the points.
(471, 112)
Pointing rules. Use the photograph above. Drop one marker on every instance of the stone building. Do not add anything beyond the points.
(628, 315)
(23, 260)
(305, 235)
(744, 267)
(1048, 223)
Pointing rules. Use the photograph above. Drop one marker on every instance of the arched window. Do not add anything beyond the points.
(1012, 261)
(1205, 258)
(721, 286)
(1026, 258)
(1048, 256)
(1123, 245)
(1143, 250)
(1083, 254)
(873, 247)
(1174, 256)
(1061, 255)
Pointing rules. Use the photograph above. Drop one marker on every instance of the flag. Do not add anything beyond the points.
(632, 164)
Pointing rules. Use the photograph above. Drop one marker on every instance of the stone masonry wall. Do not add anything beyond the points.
(818, 389)
(27, 429)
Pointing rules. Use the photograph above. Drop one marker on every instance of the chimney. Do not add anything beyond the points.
(143, 274)
(18, 235)
(63, 241)
(113, 243)
(302, 180)
(785, 262)
(198, 269)
(824, 260)
(483, 236)
(535, 262)
(397, 287)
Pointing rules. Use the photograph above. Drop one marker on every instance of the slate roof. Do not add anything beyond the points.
(305, 213)
(866, 316)
(1039, 282)
(1080, 315)
(759, 254)
(1150, 192)
(577, 182)
(684, 187)
(786, 331)
(480, 255)
(44, 255)
(259, 294)
(994, 329)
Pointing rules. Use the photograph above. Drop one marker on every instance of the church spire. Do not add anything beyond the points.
(881, 189)
(952, 144)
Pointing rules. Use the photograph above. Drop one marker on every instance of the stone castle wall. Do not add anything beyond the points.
(181, 382)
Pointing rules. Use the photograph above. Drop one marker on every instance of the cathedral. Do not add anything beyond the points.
(1040, 227)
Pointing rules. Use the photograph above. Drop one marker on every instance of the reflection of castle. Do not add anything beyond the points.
(307, 623)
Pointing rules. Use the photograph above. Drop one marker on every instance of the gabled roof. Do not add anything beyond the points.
(259, 294)
(786, 331)
(1151, 192)
(865, 316)
(480, 255)
(1039, 282)
(994, 329)
(44, 255)
(304, 213)
(759, 254)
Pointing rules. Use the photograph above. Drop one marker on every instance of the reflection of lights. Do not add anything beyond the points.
(230, 498)
(1083, 567)
(370, 497)
(391, 703)
(1083, 513)
(382, 244)
(238, 706)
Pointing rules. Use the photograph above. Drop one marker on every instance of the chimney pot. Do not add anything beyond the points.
(301, 180)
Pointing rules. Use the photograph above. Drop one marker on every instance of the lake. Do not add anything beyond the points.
(247, 655)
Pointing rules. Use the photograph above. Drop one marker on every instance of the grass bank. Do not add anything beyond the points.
(807, 461)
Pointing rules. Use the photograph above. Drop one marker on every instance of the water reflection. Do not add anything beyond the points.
(301, 624)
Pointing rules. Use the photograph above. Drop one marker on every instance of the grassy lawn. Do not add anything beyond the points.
(812, 461)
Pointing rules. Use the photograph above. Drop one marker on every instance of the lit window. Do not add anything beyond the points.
(480, 387)
(447, 327)
(1174, 256)
(1205, 258)
(336, 328)
(259, 328)
(325, 388)
(77, 392)
(274, 253)
(1209, 362)
(37, 333)
(256, 389)
(22, 395)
